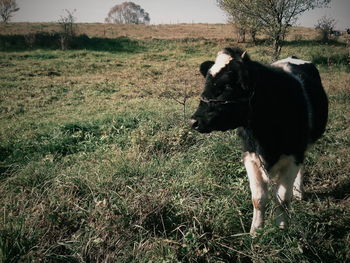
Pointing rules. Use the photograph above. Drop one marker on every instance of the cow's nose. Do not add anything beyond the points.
(193, 123)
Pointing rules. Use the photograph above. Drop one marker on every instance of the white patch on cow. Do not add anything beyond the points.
(284, 173)
(258, 182)
(285, 63)
(298, 189)
(291, 60)
(221, 61)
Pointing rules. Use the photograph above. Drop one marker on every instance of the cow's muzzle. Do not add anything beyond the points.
(194, 124)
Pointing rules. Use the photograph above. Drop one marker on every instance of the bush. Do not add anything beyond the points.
(22, 42)
(325, 25)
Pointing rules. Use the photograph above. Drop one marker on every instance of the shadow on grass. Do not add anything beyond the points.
(313, 42)
(51, 41)
(298, 43)
(339, 192)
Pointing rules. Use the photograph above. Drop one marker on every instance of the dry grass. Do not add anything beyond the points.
(175, 31)
(180, 31)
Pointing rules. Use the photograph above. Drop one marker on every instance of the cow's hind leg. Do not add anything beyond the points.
(286, 176)
(298, 188)
(258, 186)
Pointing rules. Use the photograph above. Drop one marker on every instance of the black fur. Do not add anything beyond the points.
(205, 66)
(283, 114)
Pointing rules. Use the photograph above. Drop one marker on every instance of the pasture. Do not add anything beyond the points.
(98, 164)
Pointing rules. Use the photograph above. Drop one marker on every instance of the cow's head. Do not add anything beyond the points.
(224, 102)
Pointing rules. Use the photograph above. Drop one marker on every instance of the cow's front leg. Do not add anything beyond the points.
(258, 185)
(284, 187)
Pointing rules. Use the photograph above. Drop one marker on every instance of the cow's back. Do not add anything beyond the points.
(314, 93)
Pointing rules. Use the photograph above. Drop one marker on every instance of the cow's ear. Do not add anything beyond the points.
(245, 57)
(205, 66)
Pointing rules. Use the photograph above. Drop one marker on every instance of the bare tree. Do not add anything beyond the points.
(68, 28)
(7, 8)
(127, 13)
(274, 16)
(325, 26)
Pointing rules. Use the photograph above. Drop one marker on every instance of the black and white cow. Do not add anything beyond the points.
(280, 109)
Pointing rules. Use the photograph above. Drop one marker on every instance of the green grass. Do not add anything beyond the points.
(98, 165)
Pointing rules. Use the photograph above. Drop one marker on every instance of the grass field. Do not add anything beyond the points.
(97, 163)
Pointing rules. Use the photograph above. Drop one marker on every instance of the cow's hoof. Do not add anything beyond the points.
(253, 233)
(282, 225)
(282, 221)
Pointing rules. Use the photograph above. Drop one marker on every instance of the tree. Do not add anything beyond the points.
(7, 8)
(325, 26)
(274, 16)
(244, 25)
(241, 25)
(127, 13)
(68, 28)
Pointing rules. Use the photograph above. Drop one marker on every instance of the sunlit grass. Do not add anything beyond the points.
(97, 163)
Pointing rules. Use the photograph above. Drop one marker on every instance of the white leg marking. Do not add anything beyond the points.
(258, 182)
(286, 171)
(298, 188)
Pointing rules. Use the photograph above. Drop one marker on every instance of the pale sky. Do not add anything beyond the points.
(161, 11)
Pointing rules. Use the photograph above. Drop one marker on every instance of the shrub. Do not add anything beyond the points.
(325, 25)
